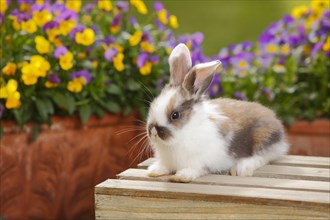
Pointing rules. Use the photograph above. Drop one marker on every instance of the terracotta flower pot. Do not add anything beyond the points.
(310, 138)
(54, 176)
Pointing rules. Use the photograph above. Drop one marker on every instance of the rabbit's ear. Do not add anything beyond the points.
(200, 77)
(180, 63)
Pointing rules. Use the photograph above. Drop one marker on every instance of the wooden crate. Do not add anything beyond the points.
(294, 187)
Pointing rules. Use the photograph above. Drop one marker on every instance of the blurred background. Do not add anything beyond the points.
(225, 22)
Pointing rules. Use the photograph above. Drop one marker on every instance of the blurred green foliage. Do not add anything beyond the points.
(225, 22)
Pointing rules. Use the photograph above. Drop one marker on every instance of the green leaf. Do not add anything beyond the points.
(36, 130)
(112, 107)
(133, 85)
(114, 89)
(44, 107)
(127, 110)
(65, 101)
(85, 112)
(99, 111)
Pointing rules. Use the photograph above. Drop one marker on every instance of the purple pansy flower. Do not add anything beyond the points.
(142, 59)
(316, 48)
(116, 20)
(288, 20)
(109, 40)
(123, 6)
(159, 25)
(134, 22)
(81, 73)
(215, 89)
(67, 15)
(54, 78)
(154, 59)
(37, 7)
(240, 96)
(158, 6)
(110, 53)
(61, 50)
(242, 61)
(78, 28)
(197, 38)
(50, 25)
(88, 7)
(58, 8)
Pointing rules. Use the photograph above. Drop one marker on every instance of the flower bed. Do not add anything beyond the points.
(92, 58)
(74, 56)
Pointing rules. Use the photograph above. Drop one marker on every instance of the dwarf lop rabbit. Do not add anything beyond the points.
(192, 136)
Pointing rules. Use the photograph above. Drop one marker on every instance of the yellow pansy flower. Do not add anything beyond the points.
(173, 21)
(15, 24)
(66, 61)
(146, 68)
(86, 37)
(326, 45)
(319, 5)
(105, 5)
(11, 86)
(285, 49)
(272, 48)
(49, 84)
(29, 26)
(147, 47)
(41, 64)
(9, 69)
(140, 6)
(74, 5)
(162, 16)
(66, 26)
(13, 100)
(29, 74)
(76, 84)
(3, 7)
(135, 38)
(53, 33)
(118, 62)
(299, 11)
(37, 67)
(114, 29)
(25, 7)
(42, 17)
(42, 45)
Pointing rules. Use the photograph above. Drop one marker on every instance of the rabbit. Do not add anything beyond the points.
(192, 136)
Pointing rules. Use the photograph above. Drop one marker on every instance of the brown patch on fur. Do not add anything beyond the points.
(162, 132)
(254, 126)
(223, 127)
(185, 110)
(170, 106)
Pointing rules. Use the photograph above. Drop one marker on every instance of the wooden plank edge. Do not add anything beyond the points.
(288, 160)
(226, 180)
(315, 200)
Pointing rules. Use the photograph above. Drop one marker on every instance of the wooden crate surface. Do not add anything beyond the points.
(294, 187)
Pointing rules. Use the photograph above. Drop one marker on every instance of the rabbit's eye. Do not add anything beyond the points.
(175, 116)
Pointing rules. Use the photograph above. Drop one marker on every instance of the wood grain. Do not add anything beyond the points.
(290, 188)
(126, 208)
(225, 180)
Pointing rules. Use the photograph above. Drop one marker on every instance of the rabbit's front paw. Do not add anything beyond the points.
(185, 175)
(156, 170)
(247, 166)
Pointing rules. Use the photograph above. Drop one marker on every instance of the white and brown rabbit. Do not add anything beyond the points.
(192, 136)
